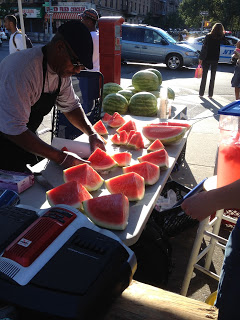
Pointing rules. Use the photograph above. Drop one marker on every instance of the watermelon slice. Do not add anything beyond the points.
(136, 141)
(130, 184)
(128, 126)
(100, 128)
(70, 193)
(171, 123)
(123, 137)
(116, 139)
(106, 117)
(160, 158)
(167, 134)
(149, 171)
(110, 211)
(156, 145)
(122, 158)
(101, 161)
(84, 174)
(116, 120)
(131, 133)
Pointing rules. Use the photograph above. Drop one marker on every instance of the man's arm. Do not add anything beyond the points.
(204, 204)
(32, 143)
(18, 41)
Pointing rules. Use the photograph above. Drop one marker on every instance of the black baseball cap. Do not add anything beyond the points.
(79, 38)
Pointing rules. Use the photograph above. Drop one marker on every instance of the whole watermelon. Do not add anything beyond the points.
(115, 102)
(126, 93)
(110, 87)
(157, 73)
(170, 93)
(145, 81)
(143, 104)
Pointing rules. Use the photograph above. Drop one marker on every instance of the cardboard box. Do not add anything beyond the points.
(16, 181)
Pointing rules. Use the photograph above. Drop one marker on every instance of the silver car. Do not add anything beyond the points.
(143, 43)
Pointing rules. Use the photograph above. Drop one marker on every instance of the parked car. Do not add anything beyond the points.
(226, 50)
(3, 35)
(143, 43)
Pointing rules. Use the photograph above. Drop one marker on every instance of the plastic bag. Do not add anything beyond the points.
(198, 72)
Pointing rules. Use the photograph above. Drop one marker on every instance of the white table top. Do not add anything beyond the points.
(140, 210)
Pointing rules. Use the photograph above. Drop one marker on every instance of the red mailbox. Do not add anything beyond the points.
(110, 33)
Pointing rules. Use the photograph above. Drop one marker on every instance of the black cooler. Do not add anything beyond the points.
(61, 265)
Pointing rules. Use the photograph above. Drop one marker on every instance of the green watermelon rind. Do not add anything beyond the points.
(157, 73)
(115, 102)
(106, 224)
(143, 104)
(126, 93)
(111, 87)
(145, 80)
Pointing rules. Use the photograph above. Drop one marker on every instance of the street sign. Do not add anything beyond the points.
(46, 4)
(203, 13)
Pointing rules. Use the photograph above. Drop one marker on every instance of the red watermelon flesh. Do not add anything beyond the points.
(130, 184)
(101, 161)
(136, 141)
(84, 174)
(131, 133)
(116, 139)
(175, 124)
(128, 126)
(116, 120)
(100, 128)
(167, 134)
(110, 211)
(160, 158)
(70, 193)
(106, 117)
(123, 137)
(149, 171)
(156, 145)
(122, 158)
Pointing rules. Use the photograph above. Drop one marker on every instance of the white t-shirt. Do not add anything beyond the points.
(95, 39)
(21, 78)
(18, 41)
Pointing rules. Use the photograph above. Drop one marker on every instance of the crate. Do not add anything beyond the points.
(171, 223)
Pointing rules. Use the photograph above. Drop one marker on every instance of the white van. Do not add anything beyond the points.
(143, 43)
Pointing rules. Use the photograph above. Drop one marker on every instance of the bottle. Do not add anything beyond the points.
(228, 167)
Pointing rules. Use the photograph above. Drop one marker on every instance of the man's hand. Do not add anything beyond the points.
(200, 62)
(72, 160)
(96, 141)
(199, 206)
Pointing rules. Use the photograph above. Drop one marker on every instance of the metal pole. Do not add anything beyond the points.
(22, 23)
(50, 20)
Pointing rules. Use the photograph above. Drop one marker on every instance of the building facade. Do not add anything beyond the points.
(38, 14)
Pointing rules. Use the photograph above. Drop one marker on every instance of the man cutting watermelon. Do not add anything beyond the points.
(32, 82)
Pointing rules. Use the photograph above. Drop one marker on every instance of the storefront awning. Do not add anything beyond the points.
(63, 16)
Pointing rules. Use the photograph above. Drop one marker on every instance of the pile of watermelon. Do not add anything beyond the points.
(112, 211)
(140, 98)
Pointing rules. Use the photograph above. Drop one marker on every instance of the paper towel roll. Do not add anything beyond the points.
(82, 149)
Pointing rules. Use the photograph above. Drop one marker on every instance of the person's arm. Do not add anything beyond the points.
(204, 204)
(204, 49)
(78, 118)
(19, 42)
(32, 143)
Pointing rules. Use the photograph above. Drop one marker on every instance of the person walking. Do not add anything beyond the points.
(209, 56)
(89, 18)
(236, 77)
(15, 41)
(32, 82)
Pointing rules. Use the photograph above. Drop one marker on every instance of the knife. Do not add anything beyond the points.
(38, 176)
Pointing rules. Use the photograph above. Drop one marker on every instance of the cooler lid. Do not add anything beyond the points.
(232, 109)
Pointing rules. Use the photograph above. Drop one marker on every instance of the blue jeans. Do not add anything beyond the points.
(229, 283)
